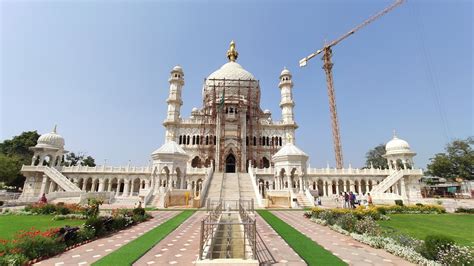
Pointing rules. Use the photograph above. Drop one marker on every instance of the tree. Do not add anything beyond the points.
(457, 161)
(9, 168)
(73, 159)
(374, 157)
(13, 154)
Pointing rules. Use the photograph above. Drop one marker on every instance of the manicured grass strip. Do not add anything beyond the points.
(11, 224)
(128, 254)
(420, 225)
(312, 253)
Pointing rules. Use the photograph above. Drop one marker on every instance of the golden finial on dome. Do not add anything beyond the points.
(232, 54)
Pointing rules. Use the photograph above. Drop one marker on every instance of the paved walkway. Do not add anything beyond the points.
(181, 247)
(95, 250)
(345, 247)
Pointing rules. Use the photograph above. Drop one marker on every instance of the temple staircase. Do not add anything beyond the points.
(246, 188)
(55, 176)
(389, 181)
(303, 200)
(214, 191)
(230, 186)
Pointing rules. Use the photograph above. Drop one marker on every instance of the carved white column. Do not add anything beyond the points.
(109, 187)
(132, 187)
(101, 185)
(126, 188)
(43, 185)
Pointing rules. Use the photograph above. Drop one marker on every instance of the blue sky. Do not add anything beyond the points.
(99, 70)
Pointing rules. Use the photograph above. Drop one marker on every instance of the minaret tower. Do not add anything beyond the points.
(174, 101)
(287, 104)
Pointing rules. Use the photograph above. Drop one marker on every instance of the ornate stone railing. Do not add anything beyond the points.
(253, 179)
(106, 169)
(196, 171)
(206, 183)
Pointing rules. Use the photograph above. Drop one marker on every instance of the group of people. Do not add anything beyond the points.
(350, 200)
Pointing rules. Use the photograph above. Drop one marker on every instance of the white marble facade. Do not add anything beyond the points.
(229, 133)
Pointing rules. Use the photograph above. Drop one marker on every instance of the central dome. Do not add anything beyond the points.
(231, 70)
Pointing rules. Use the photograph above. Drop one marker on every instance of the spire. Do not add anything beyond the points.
(394, 134)
(54, 129)
(232, 54)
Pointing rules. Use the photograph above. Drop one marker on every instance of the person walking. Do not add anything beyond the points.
(346, 200)
(369, 200)
(352, 199)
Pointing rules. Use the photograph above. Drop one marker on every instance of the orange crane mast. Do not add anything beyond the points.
(327, 66)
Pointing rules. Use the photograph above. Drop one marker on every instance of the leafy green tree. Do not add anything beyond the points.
(73, 159)
(9, 168)
(13, 154)
(457, 161)
(374, 157)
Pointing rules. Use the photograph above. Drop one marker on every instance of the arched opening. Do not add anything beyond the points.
(340, 186)
(363, 186)
(320, 187)
(106, 185)
(196, 162)
(266, 162)
(261, 187)
(80, 184)
(114, 186)
(47, 160)
(89, 184)
(230, 163)
(136, 187)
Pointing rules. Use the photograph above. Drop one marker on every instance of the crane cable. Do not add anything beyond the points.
(430, 72)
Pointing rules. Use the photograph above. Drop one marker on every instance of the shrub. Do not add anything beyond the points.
(328, 216)
(85, 233)
(367, 226)
(139, 211)
(399, 202)
(13, 259)
(347, 222)
(454, 255)
(96, 224)
(119, 223)
(34, 243)
(464, 210)
(419, 204)
(92, 209)
(70, 216)
(434, 244)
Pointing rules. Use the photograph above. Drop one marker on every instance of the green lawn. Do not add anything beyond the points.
(10, 224)
(308, 250)
(460, 227)
(128, 254)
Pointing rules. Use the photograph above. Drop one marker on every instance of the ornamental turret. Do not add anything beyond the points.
(174, 101)
(286, 103)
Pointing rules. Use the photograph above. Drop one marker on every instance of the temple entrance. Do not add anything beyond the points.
(230, 164)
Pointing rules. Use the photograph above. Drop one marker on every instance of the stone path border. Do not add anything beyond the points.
(95, 250)
(345, 247)
(181, 247)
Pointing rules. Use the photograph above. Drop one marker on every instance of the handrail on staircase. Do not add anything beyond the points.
(222, 185)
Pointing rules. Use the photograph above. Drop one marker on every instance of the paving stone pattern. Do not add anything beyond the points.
(95, 250)
(181, 247)
(345, 247)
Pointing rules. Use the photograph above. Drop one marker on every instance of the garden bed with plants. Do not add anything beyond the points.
(33, 245)
(361, 224)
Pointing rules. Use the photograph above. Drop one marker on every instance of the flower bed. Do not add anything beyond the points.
(360, 224)
(33, 245)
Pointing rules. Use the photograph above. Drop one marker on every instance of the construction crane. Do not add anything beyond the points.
(327, 66)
